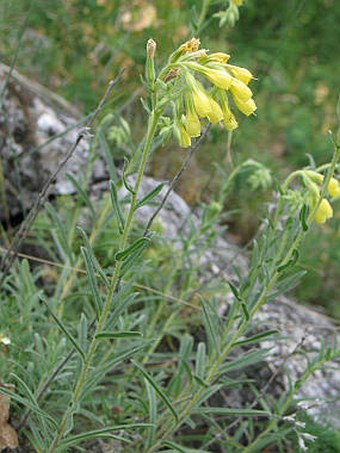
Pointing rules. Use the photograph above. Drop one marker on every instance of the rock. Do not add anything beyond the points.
(29, 145)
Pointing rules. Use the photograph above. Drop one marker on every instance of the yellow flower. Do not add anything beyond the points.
(192, 124)
(334, 188)
(201, 102)
(184, 138)
(247, 107)
(190, 46)
(240, 90)
(229, 119)
(215, 115)
(324, 212)
(241, 74)
(219, 77)
(237, 2)
(220, 57)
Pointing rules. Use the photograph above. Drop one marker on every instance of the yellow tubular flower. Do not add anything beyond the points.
(247, 108)
(324, 212)
(192, 124)
(201, 102)
(229, 119)
(184, 138)
(215, 115)
(218, 77)
(240, 90)
(241, 74)
(334, 188)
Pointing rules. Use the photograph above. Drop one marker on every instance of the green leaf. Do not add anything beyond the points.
(94, 260)
(152, 413)
(28, 404)
(291, 262)
(143, 201)
(119, 334)
(200, 361)
(245, 311)
(180, 448)
(120, 302)
(234, 290)
(64, 329)
(116, 206)
(303, 217)
(226, 411)
(247, 359)
(133, 248)
(257, 338)
(210, 326)
(91, 277)
(103, 433)
(99, 373)
(125, 181)
(159, 391)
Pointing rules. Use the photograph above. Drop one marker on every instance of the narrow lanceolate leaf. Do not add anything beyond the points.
(180, 448)
(158, 390)
(291, 262)
(132, 249)
(247, 359)
(232, 411)
(148, 197)
(125, 181)
(245, 311)
(98, 268)
(28, 404)
(234, 290)
(103, 433)
(116, 207)
(64, 329)
(200, 361)
(256, 338)
(152, 413)
(131, 260)
(303, 217)
(92, 281)
(119, 334)
(210, 326)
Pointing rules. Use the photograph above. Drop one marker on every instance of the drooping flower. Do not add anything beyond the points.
(191, 122)
(188, 65)
(241, 74)
(246, 107)
(334, 188)
(229, 119)
(324, 212)
(240, 90)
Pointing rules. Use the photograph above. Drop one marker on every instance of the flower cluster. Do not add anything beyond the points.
(187, 65)
(324, 210)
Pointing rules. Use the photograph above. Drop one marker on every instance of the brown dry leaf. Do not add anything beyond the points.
(8, 435)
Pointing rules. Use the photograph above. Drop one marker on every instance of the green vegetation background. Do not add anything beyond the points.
(74, 47)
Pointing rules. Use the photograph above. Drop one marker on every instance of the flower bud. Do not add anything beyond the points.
(150, 73)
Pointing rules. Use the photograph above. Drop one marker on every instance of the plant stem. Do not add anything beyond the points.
(153, 121)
